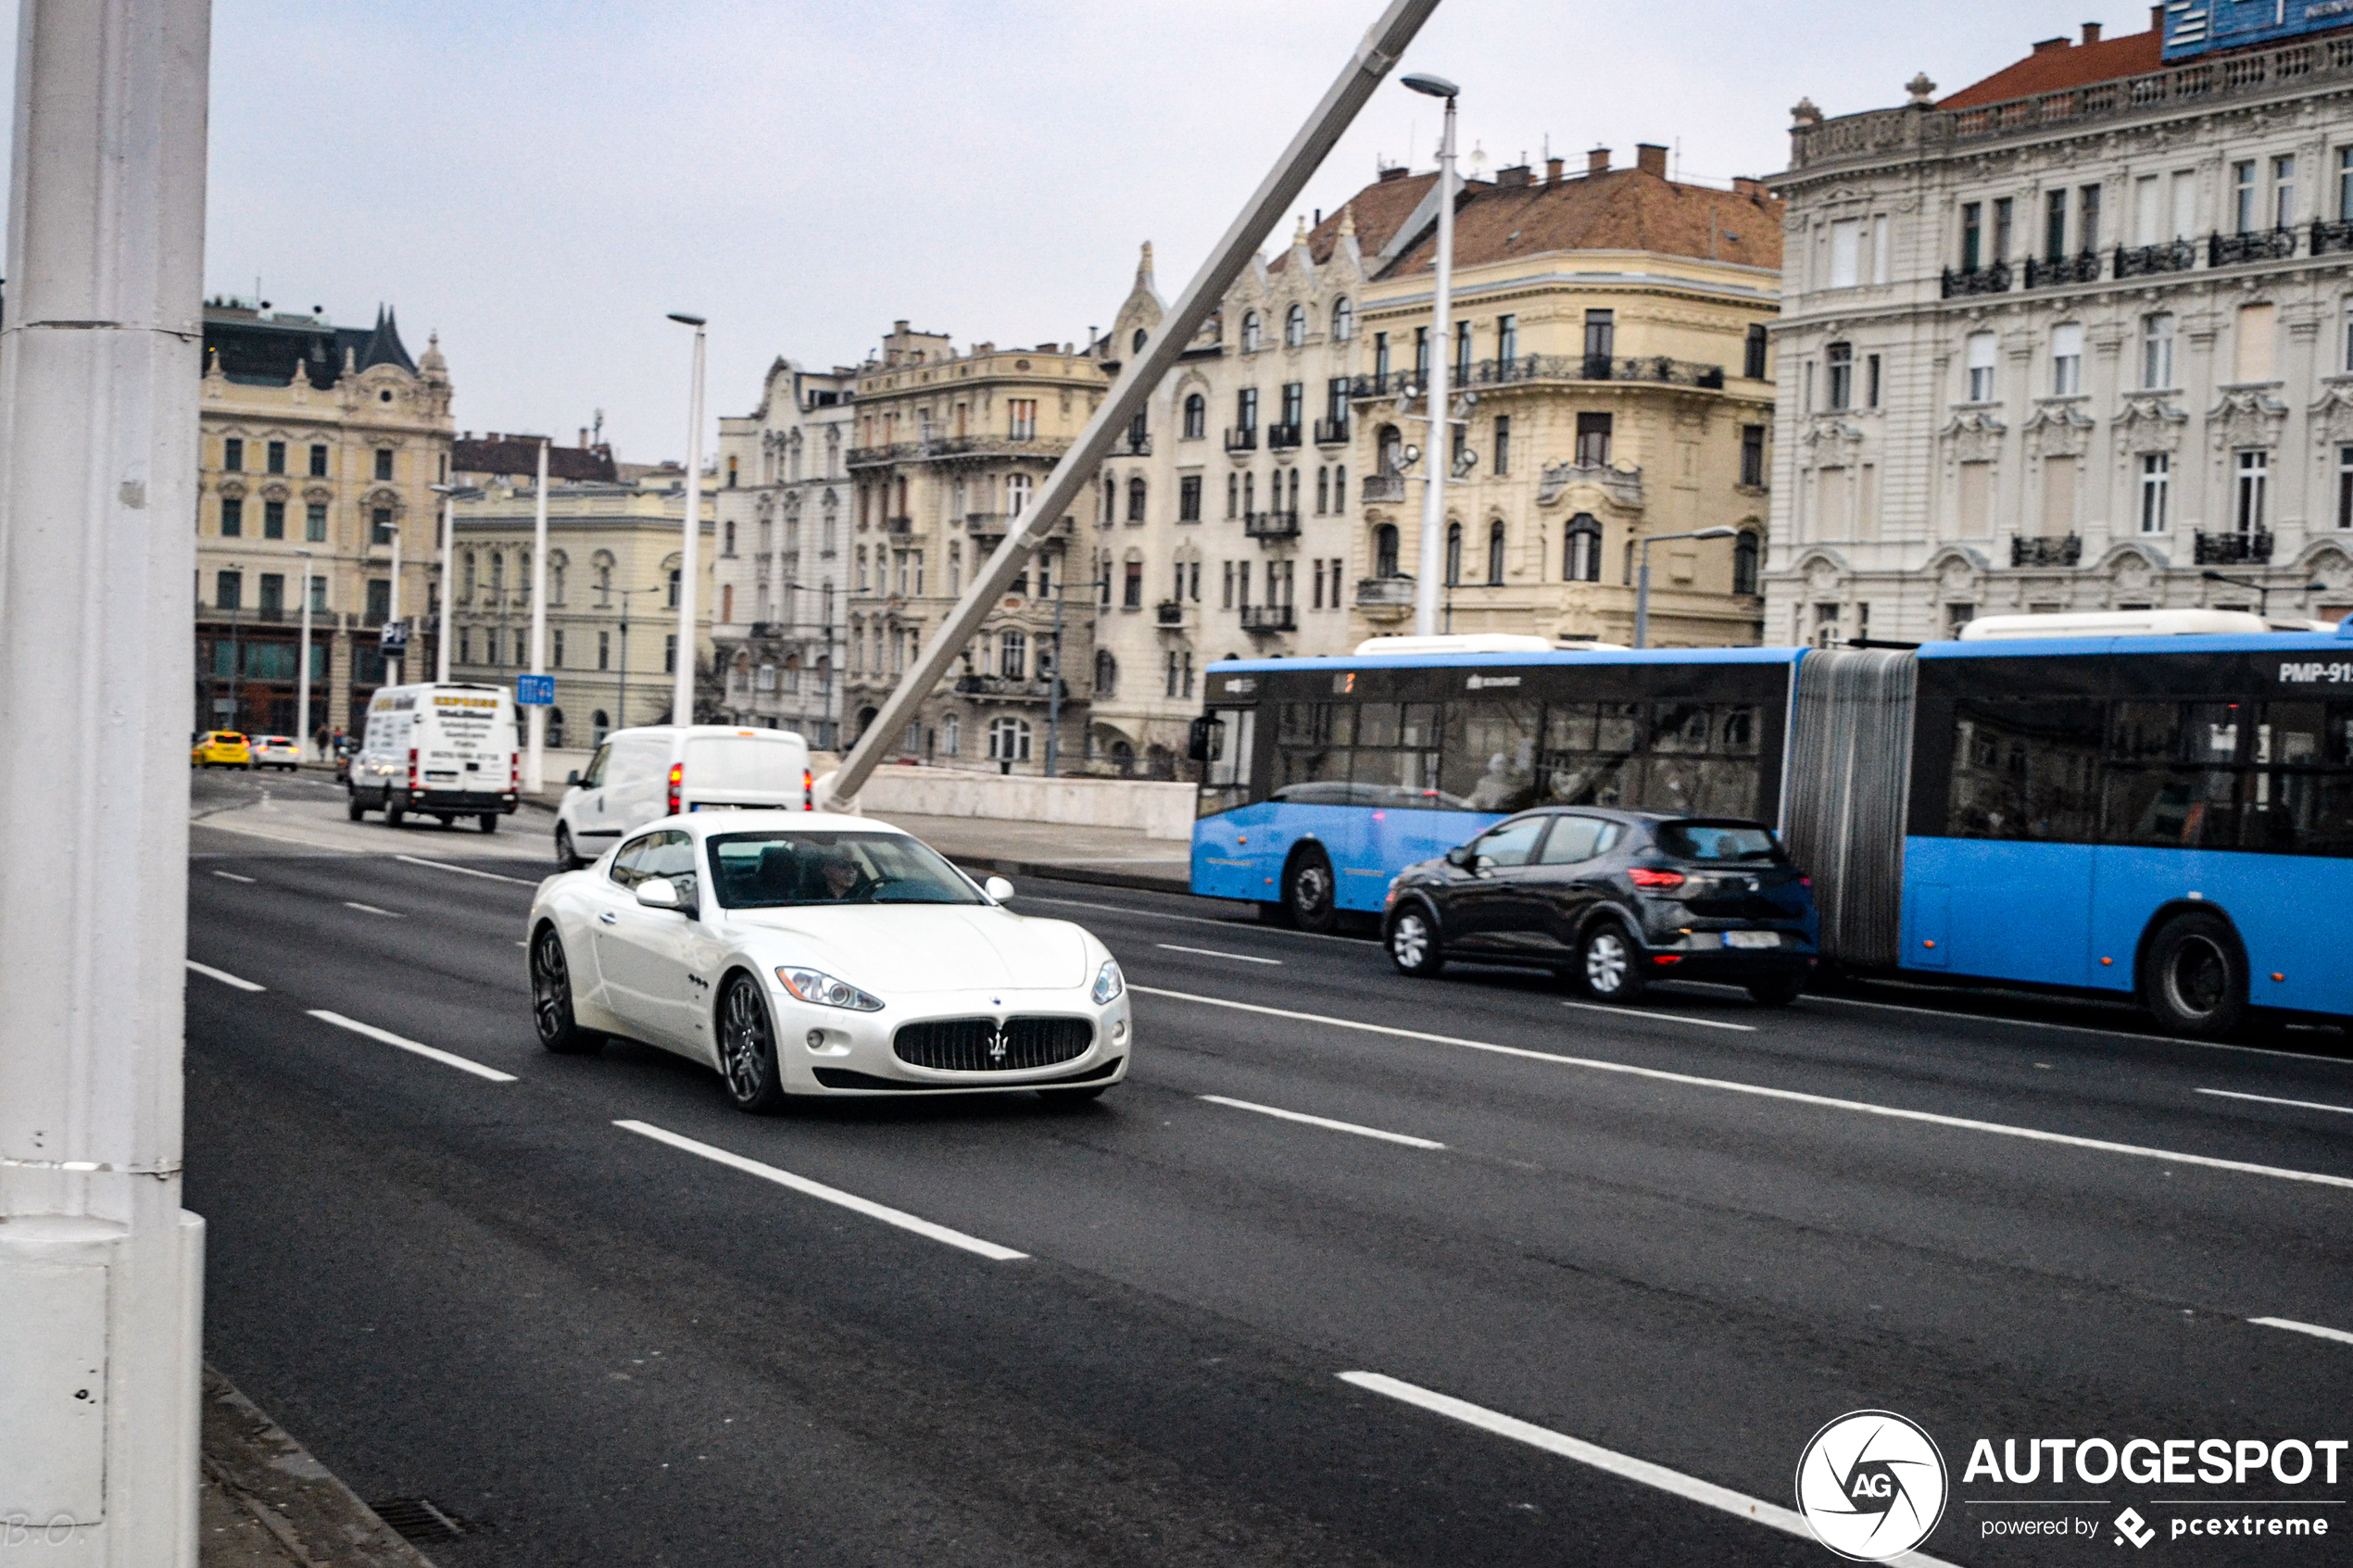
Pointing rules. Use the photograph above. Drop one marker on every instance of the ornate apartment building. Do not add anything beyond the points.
(318, 443)
(780, 621)
(2077, 337)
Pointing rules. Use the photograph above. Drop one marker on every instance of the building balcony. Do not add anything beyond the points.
(1242, 440)
(1385, 599)
(901, 526)
(1005, 688)
(1977, 279)
(2148, 261)
(1652, 367)
(1331, 432)
(1016, 443)
(1381, 489)
(2066, 549)
(1169, 613)
(2083, 269)
(1270, 526)
(2231, 549)
(2330, 238)
(1132, 445)
(1269, 617)
(2258, 245)
(995, 525)
(1279, 437)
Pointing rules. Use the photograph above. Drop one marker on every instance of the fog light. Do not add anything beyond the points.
(1119, 1030)
(816, 1039)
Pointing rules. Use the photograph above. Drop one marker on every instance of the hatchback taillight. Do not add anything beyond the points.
(1644, 877)
(677, 777)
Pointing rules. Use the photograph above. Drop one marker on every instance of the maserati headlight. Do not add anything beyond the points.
(816, 985)
(1109, 981)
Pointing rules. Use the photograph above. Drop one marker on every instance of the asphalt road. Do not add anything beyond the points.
(1998, 1219)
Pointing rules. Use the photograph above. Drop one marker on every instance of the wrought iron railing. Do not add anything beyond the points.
(1271, 525)
(1385, 592)
(2082, 268)
(2256, 245)
(1977, 279)
(2146, 261)
(1331, 432)
(1242, 440)
(2231, 549)
(1132, 445)
(1280, 437)
(1006, 686)
(1169, 612)
(1269, 617)
(2063, 550)
(1381, 489)
(2331, 237)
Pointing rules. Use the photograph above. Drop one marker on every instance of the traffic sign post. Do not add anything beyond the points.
(535, 691)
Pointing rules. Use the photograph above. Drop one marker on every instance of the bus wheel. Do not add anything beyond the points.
(1308, 892)
(2193, 978)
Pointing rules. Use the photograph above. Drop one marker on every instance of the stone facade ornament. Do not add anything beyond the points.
(1828, 441)
(2057, 430)
(1975, 437)
(1923, 90)
(2332, 417)
(2149, 424)
(2247, 418)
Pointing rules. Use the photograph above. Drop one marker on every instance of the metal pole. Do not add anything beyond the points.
(397, 665)
(448, 580)
(1054, 688)
(682, 695)
(1368, 64)
(236, 657)
(535, 775)
(1643, 598)
(302, 663)
(1438, 456)
(101, 1271)
(621, 712)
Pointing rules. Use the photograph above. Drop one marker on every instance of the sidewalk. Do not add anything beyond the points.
(264, 1502)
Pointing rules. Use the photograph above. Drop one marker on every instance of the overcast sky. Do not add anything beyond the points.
(543, 181)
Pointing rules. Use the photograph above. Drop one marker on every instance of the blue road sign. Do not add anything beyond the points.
(536, 691)
(393, 638)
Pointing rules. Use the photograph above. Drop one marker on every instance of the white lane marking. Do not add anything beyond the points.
(224, 976)
(371, 908)
(465, 870)
(2041, 1024)
(2271, 1100)
(1728, 1085)
(231, 876)
(808, 1189)
(1193, 919)
(1362, 1132)
(1663, 1017)
(1625, 1466)
(389, 1038)
(2315, 1330)
(1214, 953)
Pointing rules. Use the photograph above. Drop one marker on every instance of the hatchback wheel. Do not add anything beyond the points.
(551, 1011)
(1777, 991)
(1309, 891)
(1610, 963)
(747, 1049)
(1412, 944)
(2194, 976)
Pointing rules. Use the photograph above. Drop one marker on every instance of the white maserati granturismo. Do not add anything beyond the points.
(802, 954)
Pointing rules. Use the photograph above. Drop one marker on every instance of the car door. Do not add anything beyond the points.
(645, 954)
(607, 901)
(1493, 908)
(589, 828)
(1565, 879)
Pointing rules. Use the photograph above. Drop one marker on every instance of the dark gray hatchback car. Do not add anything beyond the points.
(1612, 900)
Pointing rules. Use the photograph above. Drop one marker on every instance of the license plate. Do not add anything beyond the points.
(1752, 939)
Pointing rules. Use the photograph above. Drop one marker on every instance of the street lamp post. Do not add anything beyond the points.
(621, 708)
(534, 776)
(1642, 578)
(682, 697)
(448, 494)
(1427, 590)
(302, 661)
(396, 666)
(1054, 688)
(2262, 593)
(825, 684)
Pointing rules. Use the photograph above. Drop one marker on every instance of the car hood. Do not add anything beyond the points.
(915, 950)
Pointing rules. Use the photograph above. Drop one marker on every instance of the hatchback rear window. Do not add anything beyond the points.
(1718, 841)
(741, 763)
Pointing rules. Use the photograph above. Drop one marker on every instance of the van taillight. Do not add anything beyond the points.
(514, 770)
(808, 790)
(677, 777)
(412, 767)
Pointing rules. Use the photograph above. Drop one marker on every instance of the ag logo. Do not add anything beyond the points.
(1873, 1485)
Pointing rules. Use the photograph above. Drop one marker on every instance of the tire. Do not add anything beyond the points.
(747, 1049)
(445, 821)
(1412, 944)
(1777, 992)
(1310, 892)
(567, 858)
(487, 821)
(1079, 1096)
(352, 808)
(551, 1011)
(2194, 976)
(395, 810)
(1609, 963)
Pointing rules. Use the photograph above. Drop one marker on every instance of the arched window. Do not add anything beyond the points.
(1017, 488)
(1106, 674)
(599, 724)
(951, 734)
(466, 577)
(1385, 550)
(1295, 327)
(1135, 500)
(1196, 416)
(727, 529)
(1323, 490)
(1753, 366)
(1343, 319)
(1495, 554)
(1009, 740)
(1391, 447)
(1582, 560)
(1251, 332)
(1744, 553)
(1141, 338)
(557, 562)
(604, 583)
(673, 588)
(497, 574)
(1453, 554)
(1339, 488)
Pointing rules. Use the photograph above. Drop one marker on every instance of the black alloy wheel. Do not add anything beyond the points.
(1609, 963)
(1310, 892)
(1413, 941)
(747, 1049)
(2194, 976)
(567, 858)
(551, 1011)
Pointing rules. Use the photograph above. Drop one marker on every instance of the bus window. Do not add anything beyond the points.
(1490, 754)
(1226, 774)
(1315, 738)
(2025, 770)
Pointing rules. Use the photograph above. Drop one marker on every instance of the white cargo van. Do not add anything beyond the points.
(643, 775)
(446, 751)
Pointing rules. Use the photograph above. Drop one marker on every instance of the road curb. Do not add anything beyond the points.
(313, 1517)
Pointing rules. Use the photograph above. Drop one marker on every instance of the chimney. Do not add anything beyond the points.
(1651, 158)
(1551, 171)
(2044, 45)
(2091, 32)
(1513, 178)
(584, 438)
(1597, 161)
(1394, 172)
(1749, 186)
(2157, 17)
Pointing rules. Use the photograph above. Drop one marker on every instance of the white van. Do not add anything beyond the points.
(643, 775)
(446, 751)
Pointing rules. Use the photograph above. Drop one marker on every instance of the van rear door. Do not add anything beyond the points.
(467, 744)
(747, 769)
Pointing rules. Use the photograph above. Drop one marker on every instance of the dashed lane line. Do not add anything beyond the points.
(1663, 1017)
(445, 1058)
(2273, 1099)
(1214, 953)
(2315, 1330)
(224, 976)
(1796, 1096)
(1361, 1131)
(371, 908)
(231, 876)
(464, 871)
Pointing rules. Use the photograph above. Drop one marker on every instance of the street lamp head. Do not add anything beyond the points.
(445, 489)
(1716, 533)
(1433, 86)
(684, 319)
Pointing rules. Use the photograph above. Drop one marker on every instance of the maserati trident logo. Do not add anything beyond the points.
(1872, 1484)
(997, 1042)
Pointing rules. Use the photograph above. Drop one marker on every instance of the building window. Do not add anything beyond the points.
(1871, 381)
(1753, 361)
(1506, 338)
(1323, 490)
(1581, 556)
(1847, 253)
(1196, 416)
(1840, 358)
(384, 462)
(1246, 409)
(2067, 359)
(1339, 487)
(1601, 342)
(1189, 498)
(555, 650)
(2254, 482)
(1009, 740)
(1462, 353)
(1592, 440)
(1343, 319)
(1295, 327)
(2055, 225)
(465, 645)
(1753, 456)
(1018, 489)
(2087, 218)
(274, 519)
(319, 598)
(1980, 367)
(2003, 211)
(671, 596)
(1295, 403)
(1013, 655)
(2283, 191)
(604, 650)
(2157, 351)
(1745, 550)
(233, 516)
(2344, 487)
(1384, 553)
(669, 653)
(1135, 500)
(1381, 359)
(379, 600)
(2157, 485)
(1022, 417)
(1502, 444)
(1453, 554)
(1132, 587)
(275, 457)
(314, 522)
(1495, 553)
(1251, 332)
(233, 455)
(380, 526)
(1973, 235)
(1826, 626)
(227, 590)
(317, 461)
(2242, 195)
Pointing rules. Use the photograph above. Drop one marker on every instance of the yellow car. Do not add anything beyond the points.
(222, 748)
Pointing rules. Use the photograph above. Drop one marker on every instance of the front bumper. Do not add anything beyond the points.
(834, 1051)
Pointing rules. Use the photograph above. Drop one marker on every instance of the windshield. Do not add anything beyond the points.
(779, 870)
(1718, 841)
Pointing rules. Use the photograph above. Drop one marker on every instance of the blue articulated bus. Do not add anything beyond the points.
(2169, 818)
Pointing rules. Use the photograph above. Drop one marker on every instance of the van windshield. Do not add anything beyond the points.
(741, 763)
(777, 871)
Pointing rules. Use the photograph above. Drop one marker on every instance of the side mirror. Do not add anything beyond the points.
(1459, 857)
(996, 887)
(573, 777)
(658, 893)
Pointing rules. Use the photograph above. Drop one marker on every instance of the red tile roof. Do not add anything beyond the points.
(2057, 65)
(1623, 210)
